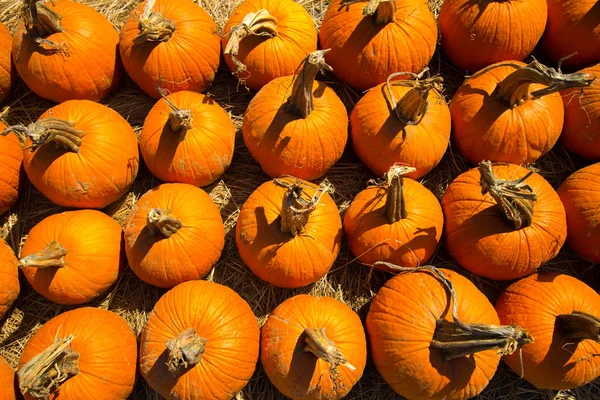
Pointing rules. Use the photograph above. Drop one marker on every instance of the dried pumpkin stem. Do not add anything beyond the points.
(317, 342)
(185, 350)
(384, 11)
(180, 120)
(412, 107)
(152, 26)
(41, 21)
(395, 207)
(160, 220)
(300, 101)
(53, 256)
(51, 130)
(579, 326)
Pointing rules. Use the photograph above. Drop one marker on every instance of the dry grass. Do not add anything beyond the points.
(348, 281)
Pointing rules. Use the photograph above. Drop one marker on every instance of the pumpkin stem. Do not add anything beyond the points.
(152, 26)
(62, 133)
(514, 198)
(53, 256)
(395, 208)
(579, 326)
(181, 120)
(40, 22)
(384, 11)
(185, 350)
(317, 342)
(300, 101)
(412, 107)
(45, 372)
(159, 220)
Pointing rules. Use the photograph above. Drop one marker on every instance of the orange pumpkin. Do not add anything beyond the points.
(296, 125)
(173, 234)
(8, 74)
(8, 381)
(201, 341)
(172, 44)
(405, 122)
(84, 353)
(369, 42)
(66, 50)
(562, 315)
(11, 153)
(289, 232)
(267, 39)
(503, 221)
(9, 273)
(313, 348)
(188, 138)
(73, 257)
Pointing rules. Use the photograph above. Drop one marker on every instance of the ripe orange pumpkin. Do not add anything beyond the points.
(296, 125)
(503, 221)
(172, 44)
(188, 138)
(267, 39)
(93, 352)
(8, 381)
(8, 75)
(9, 275)
(562, 315)
(510, 112)
(11, 154)
(173, 234)
(66, 50)
(201, 341)
(73, 257)
(405, 122)
(289, 232)
(313, 348)
(426, 349)
(369, 42)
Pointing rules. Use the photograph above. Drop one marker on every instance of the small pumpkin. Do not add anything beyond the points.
(313, 348)
(510, 112)
(11, 154)
(370, 41)
(296, 125)
(73, 257)
(200, 341)
(173, 234)
(8, 381)
(65, 50)
(289, 232)
(503, 221)
(8, 75)
(402, 121)
(86, 352)
(267, 39)
(9, 273)
(172, 44)
(562, 314)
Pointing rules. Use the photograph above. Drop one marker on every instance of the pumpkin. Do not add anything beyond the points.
(267, 39)
(370, 41)
(173, 234)
(503, 221)
(171, 44)
(65, 50)
(289, 232)
(397, 220)
(187, 138)
(80, 154)
(200, 341)
(562, 314)
(296, 125)
(510, 112)
(7, 69)
(11, 153)
(477, 34)
(573, 31)
(9, 273)
(83, 353)
(7, 381)
(427, 349)
(313, 348)
(404, 121)
(73, 257)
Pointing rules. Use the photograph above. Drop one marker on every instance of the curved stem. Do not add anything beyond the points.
(159, 220)
(395, 207)
(185, 350)
(383, 11)
(40, 22)
(153, 27)
(62, 133)
(412, 107)
(300, 101)
(317, 343)
(580, 326)
(53, 256)
(180, 120)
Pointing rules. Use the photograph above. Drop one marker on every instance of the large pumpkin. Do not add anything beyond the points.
(73, 257)
(267, 39)
(370, 41)
(313, 348)
(405, 122)
(503, 221)
(173, 234)
(201, 341)
(84, 353)
(11, 154)
(296, 125)
(171, 44)
(8, 381)
(562, 315)
(510, 112)
(65, 50)
(8, 74)
(9, 275)
(289, 232)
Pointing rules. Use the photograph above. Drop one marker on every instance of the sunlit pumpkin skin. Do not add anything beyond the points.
(187, 56)
(88, 266)
(81, 62)
(8, 75)
(364, 53)
(7, 381)
(299, 373)
(107, 352)
(182, 243)
(222, 334)
(198, 153)
(282, 258)
(9, 276)
(553, 360)
(267, 57)
(11, 154)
